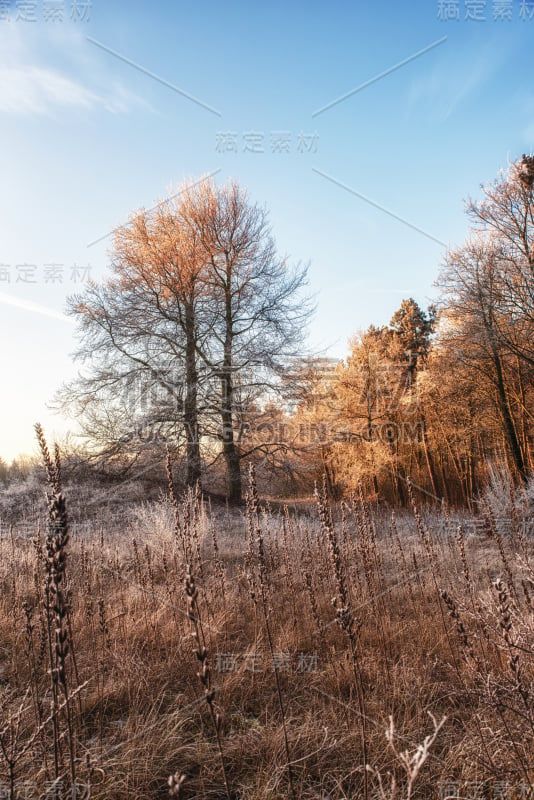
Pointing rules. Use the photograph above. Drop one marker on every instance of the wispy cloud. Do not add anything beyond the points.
(36, 308)
(380, 75)
(154, 77)
(34, 90)
(31, 84)
(455, 77)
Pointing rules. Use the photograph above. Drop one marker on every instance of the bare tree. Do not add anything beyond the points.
(505, 218)
(489, 295)
(259, 313)
(140, 334)
(472, 284)
(200, 305)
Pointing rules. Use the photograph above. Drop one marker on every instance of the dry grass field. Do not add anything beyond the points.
(332, 652)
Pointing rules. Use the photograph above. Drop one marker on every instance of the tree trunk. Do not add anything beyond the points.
(193, 463)
(525, 444)
(392, 439)
(444, 481)
(506, 416)
(231, 452)
(429, 459)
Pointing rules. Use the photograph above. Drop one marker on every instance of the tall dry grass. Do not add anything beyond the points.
(337, 652)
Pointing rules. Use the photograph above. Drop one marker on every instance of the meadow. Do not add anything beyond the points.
(319, 650)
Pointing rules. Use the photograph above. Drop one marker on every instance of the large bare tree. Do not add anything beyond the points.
(201, 305)
(259, 313)
(139, 334)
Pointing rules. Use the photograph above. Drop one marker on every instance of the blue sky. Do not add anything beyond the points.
(87, 138)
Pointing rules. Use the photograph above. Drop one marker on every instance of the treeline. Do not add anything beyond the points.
(195, 345)
(442, 396)
(17, 470)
